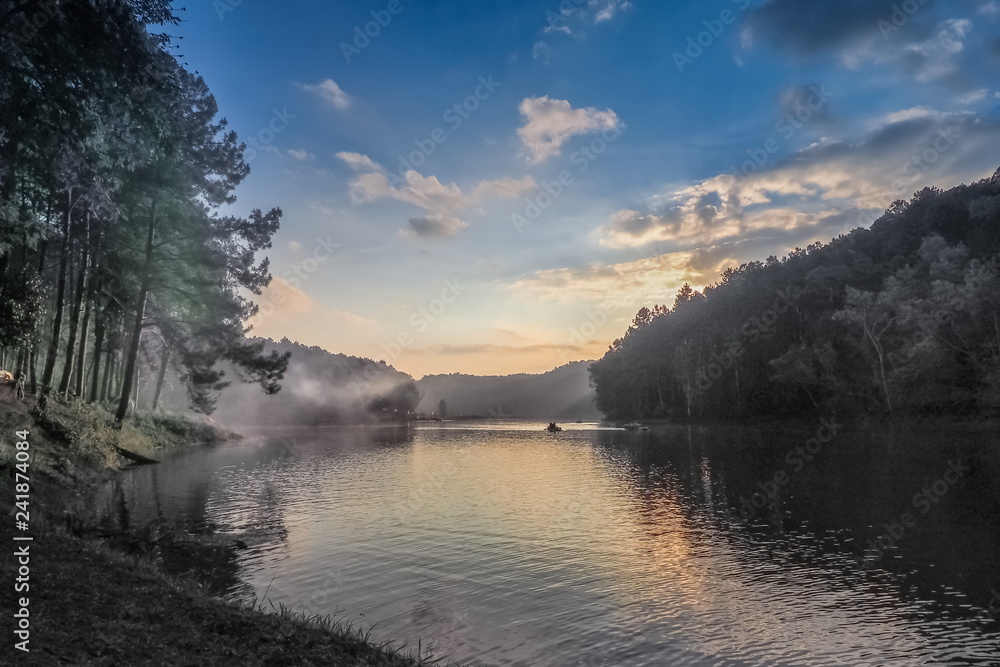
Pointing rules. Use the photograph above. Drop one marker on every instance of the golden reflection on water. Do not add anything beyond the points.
(505, 543)
(564, 516)
(679, 567)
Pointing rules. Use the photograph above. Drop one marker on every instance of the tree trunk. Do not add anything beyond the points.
(98, 344)
(140, 314)
(19, 364)
(118, 379)
(109, 369)
(74, 321)
(88, 298)
(80, 375)
(164, 358)
(50, 356)
(32, 364)
(881, 367)
(135, 387)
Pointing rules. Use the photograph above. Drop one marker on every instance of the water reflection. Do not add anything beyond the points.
(503, 544)
(790, 576)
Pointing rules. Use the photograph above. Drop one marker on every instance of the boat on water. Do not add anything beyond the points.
(635, 426)
(553, 428)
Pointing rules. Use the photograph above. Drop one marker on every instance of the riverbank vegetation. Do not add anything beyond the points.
(94, 602)
(901, 318)
(113, 249)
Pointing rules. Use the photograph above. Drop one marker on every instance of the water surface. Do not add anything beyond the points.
(501, 544)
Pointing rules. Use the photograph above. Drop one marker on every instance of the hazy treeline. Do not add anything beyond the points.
(320, 387)
(113, 168)
(899, 317)
(562, 393)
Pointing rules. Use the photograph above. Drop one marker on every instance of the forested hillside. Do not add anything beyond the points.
(321, 388)
(113, 170)
(562, 393)
(902, 317)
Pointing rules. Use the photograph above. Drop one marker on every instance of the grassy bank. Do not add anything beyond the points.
(92, 604)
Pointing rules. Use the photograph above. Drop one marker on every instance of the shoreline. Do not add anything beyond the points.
(855, 421)
(91, 602)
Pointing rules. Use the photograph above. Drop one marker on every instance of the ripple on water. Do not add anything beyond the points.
(507, 545)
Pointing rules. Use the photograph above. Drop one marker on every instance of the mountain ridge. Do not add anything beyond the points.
(561, 393)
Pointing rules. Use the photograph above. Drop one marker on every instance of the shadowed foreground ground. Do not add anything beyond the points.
(90, 605)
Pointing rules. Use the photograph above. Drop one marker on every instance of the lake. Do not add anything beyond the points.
(501, 544)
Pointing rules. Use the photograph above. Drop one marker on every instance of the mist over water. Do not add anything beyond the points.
(501, 544)
(321, 388)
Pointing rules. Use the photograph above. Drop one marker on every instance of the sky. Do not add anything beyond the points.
(497, 187)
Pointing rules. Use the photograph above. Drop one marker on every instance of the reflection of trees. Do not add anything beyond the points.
(134, 514)
(188, 513)
(818, 523)
(173, 512)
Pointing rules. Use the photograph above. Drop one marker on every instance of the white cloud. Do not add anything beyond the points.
(861, 34)
(906, 114)
(605, 14)
(822, 188)
(689, 222)
(427, 192)
(609, 9)
(650, 280)
(974, 96)
(935, 58)
(329, 92)
(301, 154)
(581, 13)
(359, 162)
(550, 123)
(443, 202)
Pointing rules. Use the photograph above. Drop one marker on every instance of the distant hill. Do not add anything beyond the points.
(561, 394)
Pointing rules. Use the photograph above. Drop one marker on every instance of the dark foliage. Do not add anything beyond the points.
(902, 317)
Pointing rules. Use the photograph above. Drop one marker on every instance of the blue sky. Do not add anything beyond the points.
(497, 187)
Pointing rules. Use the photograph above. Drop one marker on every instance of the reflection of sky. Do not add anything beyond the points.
(658, 207)
(538, 546)
(705, 590)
